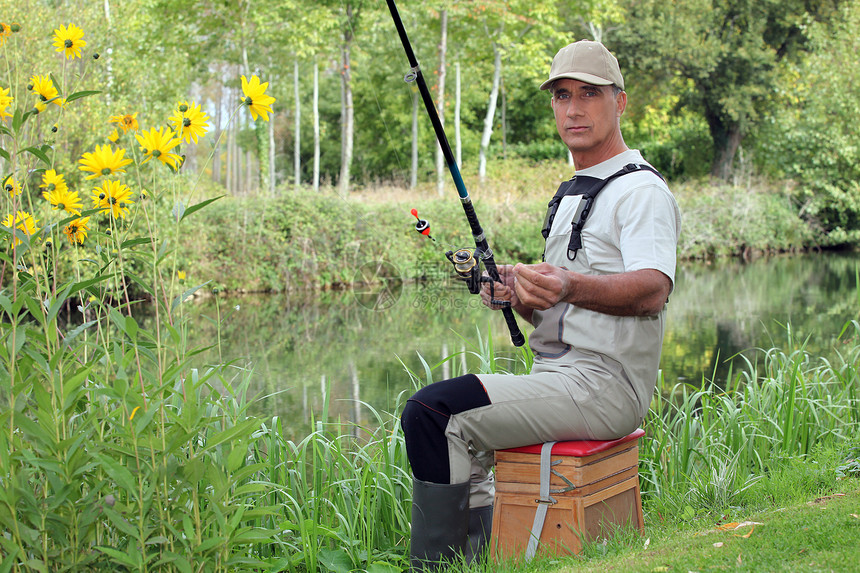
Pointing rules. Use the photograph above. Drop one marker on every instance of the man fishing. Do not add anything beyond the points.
(598, 305)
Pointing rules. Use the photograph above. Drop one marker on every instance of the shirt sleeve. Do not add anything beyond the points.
(648, 222)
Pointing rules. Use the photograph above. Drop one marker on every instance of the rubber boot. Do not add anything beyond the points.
(440, 524)
(480, 527)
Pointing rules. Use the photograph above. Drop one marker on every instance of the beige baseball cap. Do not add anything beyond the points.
(586, 61)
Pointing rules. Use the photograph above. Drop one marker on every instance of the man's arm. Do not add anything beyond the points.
(635, 293)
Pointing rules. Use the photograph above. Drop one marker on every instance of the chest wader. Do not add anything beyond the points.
(587, 188)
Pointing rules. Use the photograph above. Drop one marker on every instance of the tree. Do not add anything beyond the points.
(728, 49)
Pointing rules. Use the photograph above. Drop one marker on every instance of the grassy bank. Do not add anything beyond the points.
(172, 475)
(300, 239)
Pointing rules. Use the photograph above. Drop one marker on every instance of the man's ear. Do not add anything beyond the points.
(620, 104)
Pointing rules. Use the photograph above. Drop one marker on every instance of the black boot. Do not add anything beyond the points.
(480, 526)
(440, 523)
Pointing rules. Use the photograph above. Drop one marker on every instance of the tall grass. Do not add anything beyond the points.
(705, 446)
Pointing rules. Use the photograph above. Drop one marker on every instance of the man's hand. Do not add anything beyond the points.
(542, 286)
(500, 291)
(505, 290)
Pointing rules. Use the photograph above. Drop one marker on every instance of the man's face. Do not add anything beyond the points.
(587, 117)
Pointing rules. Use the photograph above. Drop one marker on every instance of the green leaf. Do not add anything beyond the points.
(208, 544)
(383, 567)
(242, 428)
(39, 153)
(120, 475)
(133, 242)
(70, 336)
(119, 556)
(181, 298)
(336, 560)
(9, 560)
(80, 94)
(197, 207)
(4, 154)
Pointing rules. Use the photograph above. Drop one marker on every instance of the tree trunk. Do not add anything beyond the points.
(271, 158)
(440, 100)
(316, 111)
(457, 141)
(504, 121)
(216, 135)
(727, 138)
(297, 152)
(491, 113)
(347, 112)
(413, 177)
(228, 159)
(240, 179)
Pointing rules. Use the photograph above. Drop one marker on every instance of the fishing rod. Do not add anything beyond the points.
(466, 262)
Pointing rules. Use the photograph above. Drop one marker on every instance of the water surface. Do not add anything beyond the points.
(356, 345)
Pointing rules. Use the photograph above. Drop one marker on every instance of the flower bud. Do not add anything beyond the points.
(96, 56)
(183, 108)
(15, 27)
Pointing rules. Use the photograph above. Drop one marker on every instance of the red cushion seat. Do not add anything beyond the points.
(579, 448)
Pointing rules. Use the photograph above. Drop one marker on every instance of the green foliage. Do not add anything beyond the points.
(709, 446)
(808, 137)
(728, 50)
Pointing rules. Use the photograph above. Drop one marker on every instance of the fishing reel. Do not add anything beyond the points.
(467, 265)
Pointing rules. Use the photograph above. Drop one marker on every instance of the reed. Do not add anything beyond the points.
(706, 446)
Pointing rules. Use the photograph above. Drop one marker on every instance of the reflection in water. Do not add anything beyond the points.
(302, 348)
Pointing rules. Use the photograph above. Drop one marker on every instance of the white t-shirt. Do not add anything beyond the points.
(634, 224)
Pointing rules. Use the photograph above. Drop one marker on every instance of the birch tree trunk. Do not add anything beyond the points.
(440, 100)
(316, 111)
(228, 159)
(347, 112)
(491, 113)
(297, 152)
(271, 158)
(216, 156)
(457, 141)
(238, 155)
(504, 121)
(413, 178)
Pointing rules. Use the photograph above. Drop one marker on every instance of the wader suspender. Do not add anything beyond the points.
(588, 187)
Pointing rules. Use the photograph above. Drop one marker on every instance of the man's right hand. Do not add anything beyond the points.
(503, 290)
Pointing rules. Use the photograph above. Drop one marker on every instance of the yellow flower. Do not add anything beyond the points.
(157, 143)
(53, 181)
(76, 231)
(65, 200)
(5, 32)
(256, 98)
(189, 121)
(11, 186)
(5, 103)
(103, 161)
(112, 197)
(127, 122)
(180, 275)
(44, 87)
(114, 136)
(22, 220)
(69, 40)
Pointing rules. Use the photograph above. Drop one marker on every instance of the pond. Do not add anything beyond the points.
(353, 347)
